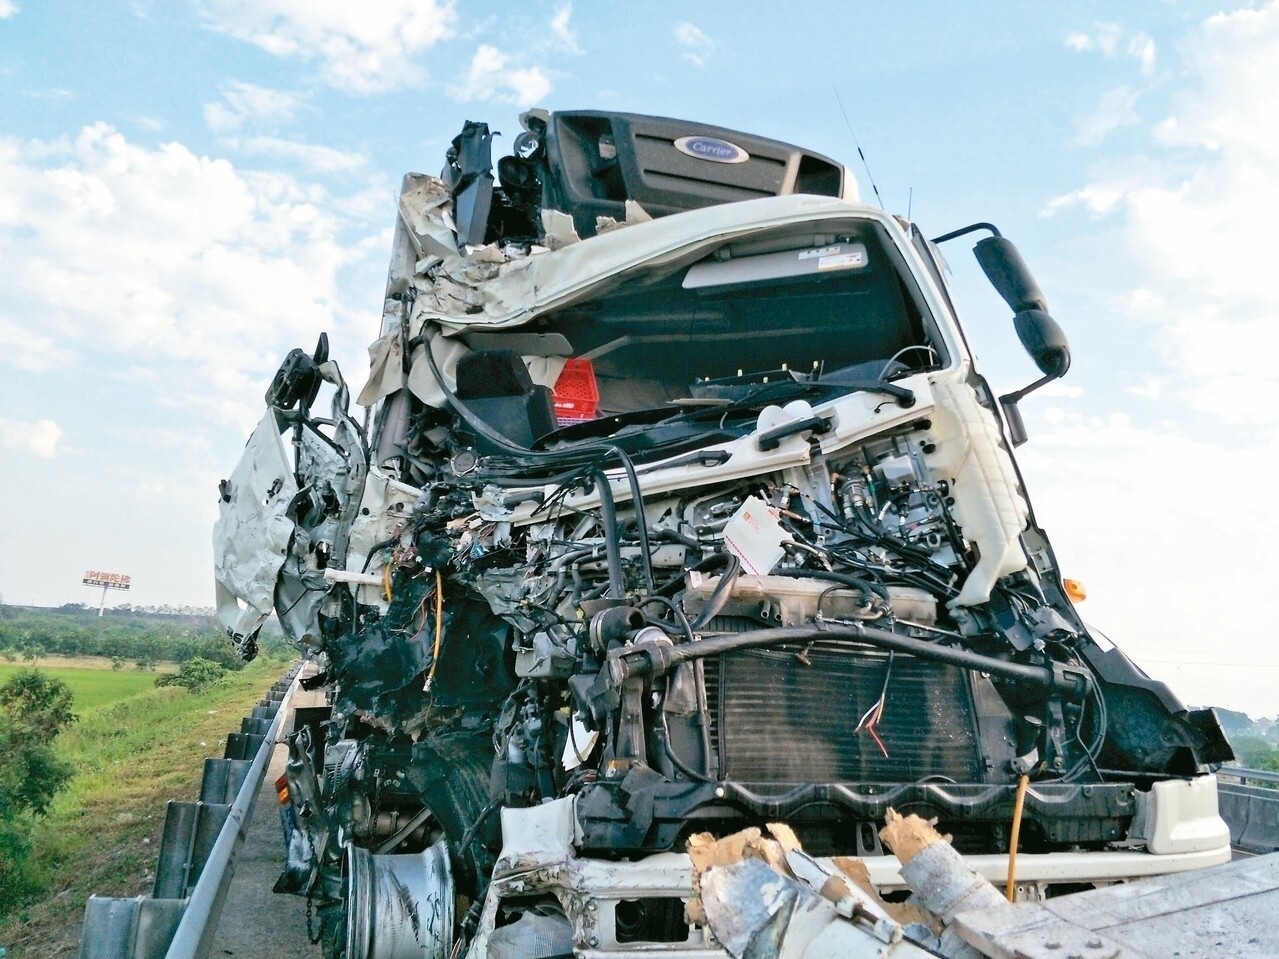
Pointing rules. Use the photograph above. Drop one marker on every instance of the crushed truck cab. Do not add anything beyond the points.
(678, 505)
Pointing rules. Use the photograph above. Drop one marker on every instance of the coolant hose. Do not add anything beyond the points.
(608, 518)
(719, 597)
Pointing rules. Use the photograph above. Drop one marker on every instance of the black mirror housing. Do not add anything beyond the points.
(1008, 274)
(1044, 341)
(1012, 416)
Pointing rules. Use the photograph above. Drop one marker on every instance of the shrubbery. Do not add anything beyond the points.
(194, 674)
(34, 709)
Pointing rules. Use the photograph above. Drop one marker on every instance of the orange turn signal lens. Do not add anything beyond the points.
(282, 790)
(1075, 590)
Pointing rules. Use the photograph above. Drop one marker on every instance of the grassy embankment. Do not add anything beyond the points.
(132, 751)
(91, 678)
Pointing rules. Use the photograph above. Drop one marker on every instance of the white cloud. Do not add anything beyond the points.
(48, 93)
(151, 124)
(1097, 198)
(492, 78)
(245, 103)
(1112, 40)
(562, 32)
(361, 48)
(1104, 39)
(40, 438)
(29, 350)
(1142, 48)
(1164, 511)
(1150, 388)
(7, 9)
(1202, 209)
(1203, 228)
(697, 46)
(320, 159)
(1117, 108)
(1079, 42)
(197, 275)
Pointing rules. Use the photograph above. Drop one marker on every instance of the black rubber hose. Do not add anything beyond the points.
(723, 589)
(613, 549)
(641, 521)
(534, 456)
(672, 585)
(1074, 682)
(832, 576)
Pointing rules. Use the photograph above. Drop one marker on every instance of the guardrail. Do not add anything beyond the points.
(1251, 812)
(197, 853)
(1243, 775)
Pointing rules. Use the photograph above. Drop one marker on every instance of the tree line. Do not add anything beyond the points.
(73, 630)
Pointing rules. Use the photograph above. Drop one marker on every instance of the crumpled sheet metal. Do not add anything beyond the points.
(252, 533)
(763, 897)
(498, 291)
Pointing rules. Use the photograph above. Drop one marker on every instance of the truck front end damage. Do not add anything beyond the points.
(674, 511)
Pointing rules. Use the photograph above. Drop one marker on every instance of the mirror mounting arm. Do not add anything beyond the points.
(1012, 412)
(964, 231)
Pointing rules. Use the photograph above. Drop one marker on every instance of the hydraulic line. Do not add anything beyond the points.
(534, 456)
(866, 587)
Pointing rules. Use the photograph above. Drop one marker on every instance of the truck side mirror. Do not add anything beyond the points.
(1044, 341)
(1039, 333)
(1008, 274)
(1046, 344)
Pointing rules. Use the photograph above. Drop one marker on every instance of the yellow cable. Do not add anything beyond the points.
(439, 628)
(1010, 889)
(386, 581)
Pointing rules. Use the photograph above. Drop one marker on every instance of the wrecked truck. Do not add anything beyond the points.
(677, 504)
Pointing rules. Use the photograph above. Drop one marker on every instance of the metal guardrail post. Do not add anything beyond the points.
(136, 928)
(190, 830)
(223, 779)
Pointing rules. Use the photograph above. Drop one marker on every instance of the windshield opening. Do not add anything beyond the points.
(650, 343)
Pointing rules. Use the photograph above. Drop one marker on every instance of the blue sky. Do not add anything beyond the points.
(188, 189)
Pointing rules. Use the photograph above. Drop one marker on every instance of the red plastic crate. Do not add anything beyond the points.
(575, 393)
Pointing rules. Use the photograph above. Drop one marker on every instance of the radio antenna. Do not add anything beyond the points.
(870, 176)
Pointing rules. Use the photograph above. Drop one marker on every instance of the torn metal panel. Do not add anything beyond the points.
(753, 911)
(252, 535)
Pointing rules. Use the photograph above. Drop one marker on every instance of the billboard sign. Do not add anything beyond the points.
(96, 577)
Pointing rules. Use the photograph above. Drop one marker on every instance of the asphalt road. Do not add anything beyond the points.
(256, 923)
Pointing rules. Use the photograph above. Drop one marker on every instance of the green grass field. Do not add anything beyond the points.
(91, 687)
